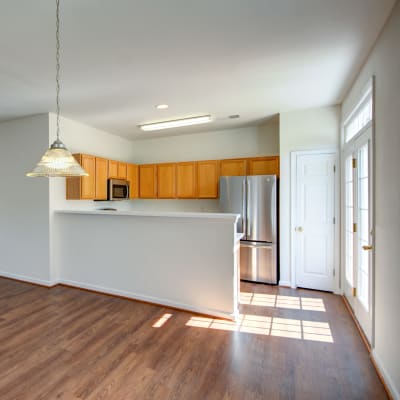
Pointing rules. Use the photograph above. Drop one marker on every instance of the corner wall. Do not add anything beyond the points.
(384, 63)
(24, 203)
(310, 129)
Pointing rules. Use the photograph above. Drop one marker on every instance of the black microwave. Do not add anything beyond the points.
(118, 189)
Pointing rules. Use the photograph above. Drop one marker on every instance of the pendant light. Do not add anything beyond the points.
(57, 161)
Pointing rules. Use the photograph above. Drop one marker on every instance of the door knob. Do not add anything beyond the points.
(299, 229)
(369, 247)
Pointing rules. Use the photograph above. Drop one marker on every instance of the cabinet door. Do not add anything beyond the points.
(263, 166)
(207, 179)
(132, 176)
(88, 183)
(186, 180)
(148, 181)
(166, 181)
(101, 178)
(121, 170)
(233, 167)
(113, 169)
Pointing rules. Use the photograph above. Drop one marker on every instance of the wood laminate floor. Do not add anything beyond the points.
(65, 343)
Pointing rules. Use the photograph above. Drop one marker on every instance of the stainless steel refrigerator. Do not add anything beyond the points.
(255, 199)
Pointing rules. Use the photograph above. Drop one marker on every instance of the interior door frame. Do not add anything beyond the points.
(293, 193)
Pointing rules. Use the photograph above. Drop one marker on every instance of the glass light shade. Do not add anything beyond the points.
(57, 162)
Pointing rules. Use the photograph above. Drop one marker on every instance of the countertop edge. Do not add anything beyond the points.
(167, 214)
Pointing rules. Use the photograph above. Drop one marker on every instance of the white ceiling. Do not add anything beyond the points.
(120, 58)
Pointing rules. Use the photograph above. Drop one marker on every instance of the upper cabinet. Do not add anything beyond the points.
(236, 167)
(183, 180)
(122, 170)
(166, 188)
(186, 173)
(148, 181)
(207, 179)
(132, 176)
(117, 169)
(101, 178)
(263, 166)
(113, 169)
(83, 187)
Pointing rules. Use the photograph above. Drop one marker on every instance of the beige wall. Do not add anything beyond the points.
(310, 129)
(384, 63)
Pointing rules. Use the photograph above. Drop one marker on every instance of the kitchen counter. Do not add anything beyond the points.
(167, 214)
(185, 260)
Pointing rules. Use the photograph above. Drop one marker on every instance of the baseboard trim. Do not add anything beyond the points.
(388, 383)
(285, 283)
(380, 370)
(28, 279)
(147, 299)
(360, 331)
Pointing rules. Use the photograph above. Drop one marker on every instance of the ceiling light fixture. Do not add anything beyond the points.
(176, 123)
(57, 161)
(161, 106)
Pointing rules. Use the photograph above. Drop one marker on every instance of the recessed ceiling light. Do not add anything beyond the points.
(161, 106)
(175, 123)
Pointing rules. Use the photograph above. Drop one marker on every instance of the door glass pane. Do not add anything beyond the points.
(363, 225)
(349, 209)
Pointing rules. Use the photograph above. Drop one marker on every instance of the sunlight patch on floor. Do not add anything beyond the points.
(162, 320)
(278, 301)
(273, 326)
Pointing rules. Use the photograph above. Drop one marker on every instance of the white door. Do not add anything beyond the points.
(314, 219)
(358, 246)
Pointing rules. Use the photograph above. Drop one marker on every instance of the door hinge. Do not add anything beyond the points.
(354, 227)
(354, 292)
(334, 168)
(334, 220)
(334, 273)
(354, 163)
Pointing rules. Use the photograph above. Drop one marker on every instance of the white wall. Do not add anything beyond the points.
(301, 130)
(384, 63)
(182, 261)
(24, 202)
(231, 143)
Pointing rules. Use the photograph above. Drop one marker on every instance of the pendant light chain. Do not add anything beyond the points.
(57, 161)
(58, 66)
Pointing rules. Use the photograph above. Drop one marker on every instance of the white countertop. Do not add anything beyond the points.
(167, 214)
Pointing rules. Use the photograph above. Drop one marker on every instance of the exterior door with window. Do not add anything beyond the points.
(359, 235)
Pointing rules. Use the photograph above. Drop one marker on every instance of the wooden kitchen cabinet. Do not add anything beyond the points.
(122, 168)
(263, 166)
(166, 188)
(83, 187)
(117, 169)
(101, 178)
(113, 169)
(207, 179)
(148, 181)
(186, 176)
(233, 167)
(132, 176)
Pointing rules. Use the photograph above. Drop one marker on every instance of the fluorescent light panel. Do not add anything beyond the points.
(176, 123)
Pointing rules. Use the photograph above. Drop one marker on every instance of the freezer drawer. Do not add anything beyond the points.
(258, 262)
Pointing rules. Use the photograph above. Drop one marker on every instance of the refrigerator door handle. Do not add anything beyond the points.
(255, 244)
(248, 222)
(244, 208)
